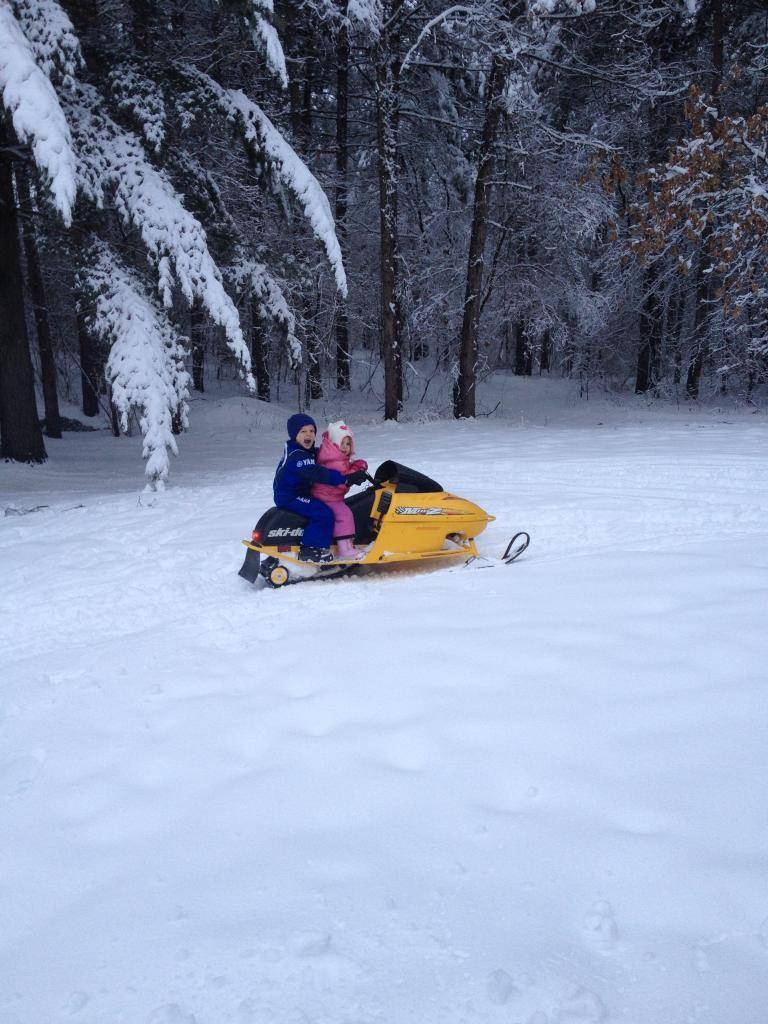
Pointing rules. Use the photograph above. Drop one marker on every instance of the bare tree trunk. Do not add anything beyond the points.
(519, 350)
(259, 358)
(314, 389)
(292, 49)
(387, 71)
(145, 23)
(22, 439)
(545, 353)
(704, 281)
(464, 392)
(306, 105)
(650, 327)
(89, 355)
(696, 365)
(114, 418)
(197, 324)
(718, 38)
(40, 309)
(342, 183)
(90, 368)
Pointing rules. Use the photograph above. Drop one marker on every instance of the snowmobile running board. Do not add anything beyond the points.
(251, 567)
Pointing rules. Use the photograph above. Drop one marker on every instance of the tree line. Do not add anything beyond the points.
(307, 192)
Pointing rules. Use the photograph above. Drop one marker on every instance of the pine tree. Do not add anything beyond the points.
(121, 129)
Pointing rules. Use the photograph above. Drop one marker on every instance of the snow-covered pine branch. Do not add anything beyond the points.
(454, 11)
(110, 158)
(553, 8)
(250, 278)
(36, 112)
(52, 37)
(365, 15)
(142, 99)
(203, 191)
(145, 364)
(264, 32)
(285, 163)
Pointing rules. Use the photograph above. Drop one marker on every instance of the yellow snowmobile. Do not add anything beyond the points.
(403, 516)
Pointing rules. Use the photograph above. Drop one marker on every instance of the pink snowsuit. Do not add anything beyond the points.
(332, 457)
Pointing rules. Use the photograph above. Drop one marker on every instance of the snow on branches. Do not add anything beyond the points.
(553, 8)
(264, 32)
(284, 163)
(252, 279)
(35, 110)
(366, 15)
(142, 99)
(110, 158)
(145, 365)
(52, 37)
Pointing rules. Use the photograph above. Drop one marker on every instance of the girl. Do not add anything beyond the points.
(336, 453)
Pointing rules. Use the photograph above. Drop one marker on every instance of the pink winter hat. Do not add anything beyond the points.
(338, 430)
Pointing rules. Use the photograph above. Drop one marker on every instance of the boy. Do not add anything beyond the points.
(294, 478)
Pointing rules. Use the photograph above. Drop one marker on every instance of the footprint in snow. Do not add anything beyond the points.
(77, 1001)
(246, 1011)
(18, 774)
(500, 987)
(600, 927)
(170, 1013)
(700, 959)
(581, 1006)
(310, 943)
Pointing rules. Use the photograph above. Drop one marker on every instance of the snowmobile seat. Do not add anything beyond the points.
(279, 526)
(407, 480)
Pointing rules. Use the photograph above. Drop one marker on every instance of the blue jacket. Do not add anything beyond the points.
(298, 471)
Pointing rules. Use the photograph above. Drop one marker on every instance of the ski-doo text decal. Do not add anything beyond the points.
(414, 510)
(286, 531)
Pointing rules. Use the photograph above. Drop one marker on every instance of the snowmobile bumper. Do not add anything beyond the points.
(250, 567)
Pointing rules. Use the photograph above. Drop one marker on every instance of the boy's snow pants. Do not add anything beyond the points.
(319, 530)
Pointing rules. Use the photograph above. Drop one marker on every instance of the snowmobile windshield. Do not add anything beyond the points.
(408, 481)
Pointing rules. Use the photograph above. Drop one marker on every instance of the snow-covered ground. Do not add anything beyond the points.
(524, 795)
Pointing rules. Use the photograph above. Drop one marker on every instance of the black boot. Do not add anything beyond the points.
(307, 554)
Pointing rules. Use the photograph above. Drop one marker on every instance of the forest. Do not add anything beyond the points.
(319, 195)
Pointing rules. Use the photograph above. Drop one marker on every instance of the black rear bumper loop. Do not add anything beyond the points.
(250, 567)
(516, 547)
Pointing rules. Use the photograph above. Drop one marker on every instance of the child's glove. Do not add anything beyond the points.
(358, 464)
(358, 477)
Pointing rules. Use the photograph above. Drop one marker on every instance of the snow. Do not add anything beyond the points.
(264, 32)
(111, 158)
(52, 38)
(142, 99)
(251, 278)
(36, 113)
(284, 162)
(524, 795)
(549, 7)
(444, 18)
(145, 364)
(365, 14)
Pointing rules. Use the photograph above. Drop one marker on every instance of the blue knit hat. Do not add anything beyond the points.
(297, 421)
